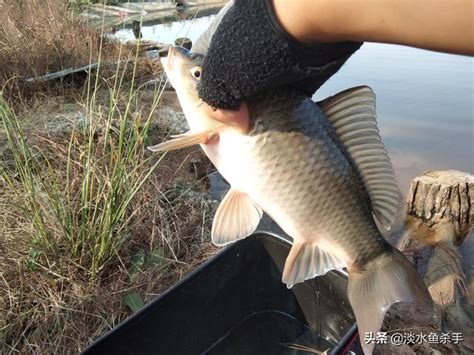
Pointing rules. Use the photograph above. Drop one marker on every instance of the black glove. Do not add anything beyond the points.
(250, 52)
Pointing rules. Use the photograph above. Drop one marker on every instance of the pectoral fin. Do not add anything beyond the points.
(237, 217)
(184, 140)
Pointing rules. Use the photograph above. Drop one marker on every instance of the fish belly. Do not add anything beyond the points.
(304, 183)
(294, 167)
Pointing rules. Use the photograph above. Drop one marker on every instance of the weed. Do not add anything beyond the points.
(88, 216)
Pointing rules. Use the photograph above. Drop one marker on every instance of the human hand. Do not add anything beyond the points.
(238, 119)
(250, 52)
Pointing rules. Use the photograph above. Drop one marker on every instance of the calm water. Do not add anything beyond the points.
(168, 32)
(425, 105)
(424, 99)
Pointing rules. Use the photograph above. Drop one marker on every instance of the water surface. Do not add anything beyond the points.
(425, 105)
(424, 99)
(168, 32)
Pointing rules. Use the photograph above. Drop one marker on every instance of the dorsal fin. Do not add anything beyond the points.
(352, 114)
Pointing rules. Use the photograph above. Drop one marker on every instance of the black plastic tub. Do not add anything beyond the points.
(236, 304)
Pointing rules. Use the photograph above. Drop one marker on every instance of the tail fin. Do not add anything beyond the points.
(387, 279)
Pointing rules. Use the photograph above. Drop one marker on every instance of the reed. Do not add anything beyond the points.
(90, 218)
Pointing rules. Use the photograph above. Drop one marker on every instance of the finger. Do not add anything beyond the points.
(238, 119)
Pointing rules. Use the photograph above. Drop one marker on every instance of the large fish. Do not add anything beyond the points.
(321, 172)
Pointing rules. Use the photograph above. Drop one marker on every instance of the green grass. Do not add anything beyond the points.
(92, 225)
(73, 205)
(85, 208)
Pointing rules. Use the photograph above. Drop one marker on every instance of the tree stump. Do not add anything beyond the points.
(442, 200)
(439, 216)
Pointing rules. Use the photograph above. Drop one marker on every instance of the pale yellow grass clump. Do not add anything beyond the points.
(38, 37)
(87, 219)
(91, 223)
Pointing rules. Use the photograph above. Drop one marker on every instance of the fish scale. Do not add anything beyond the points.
(300, 187)
(320, 171)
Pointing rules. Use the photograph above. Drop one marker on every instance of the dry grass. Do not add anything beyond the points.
(47, 311)
(51, 299)
(87, 215)
(38, 37)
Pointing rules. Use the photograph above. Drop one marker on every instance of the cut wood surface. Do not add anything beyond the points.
(443, 200)
(439, 216)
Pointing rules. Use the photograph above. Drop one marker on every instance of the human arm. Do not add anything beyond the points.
(251, 52)
(438, 25)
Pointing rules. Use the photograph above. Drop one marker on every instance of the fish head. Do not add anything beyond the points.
(184, 71)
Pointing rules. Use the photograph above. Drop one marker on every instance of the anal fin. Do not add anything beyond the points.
(306, 261)
(237, 217)
(184, 140)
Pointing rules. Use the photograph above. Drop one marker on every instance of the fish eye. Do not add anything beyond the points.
(196, 72)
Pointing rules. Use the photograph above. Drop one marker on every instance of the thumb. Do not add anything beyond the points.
(237, 119)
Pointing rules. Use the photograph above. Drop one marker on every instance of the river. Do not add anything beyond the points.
(425, 100)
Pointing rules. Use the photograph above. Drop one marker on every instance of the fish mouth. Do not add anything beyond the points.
(175, 55)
